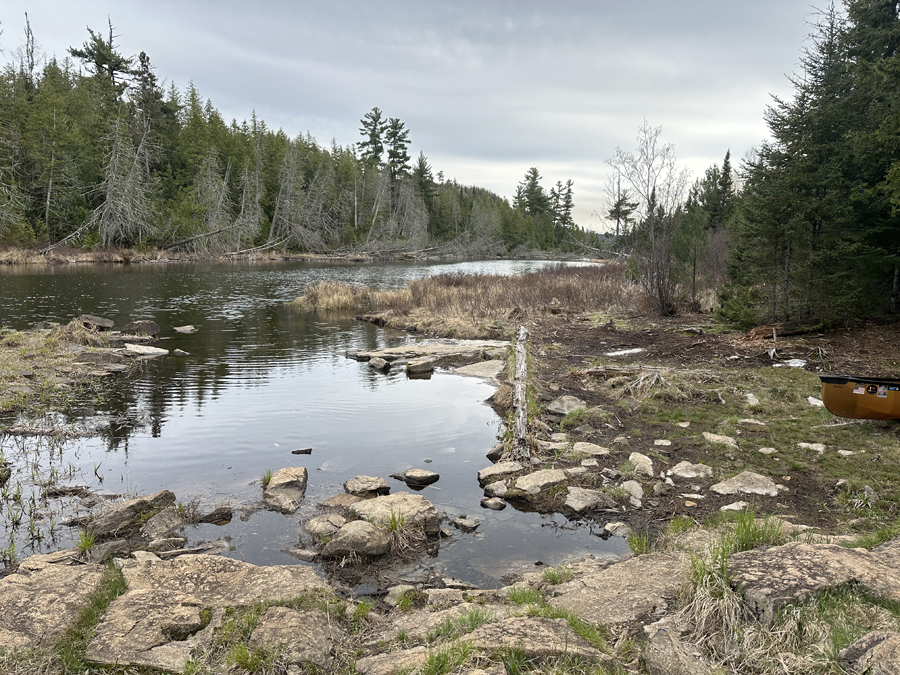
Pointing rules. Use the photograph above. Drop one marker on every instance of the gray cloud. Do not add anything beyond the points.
(487, 88)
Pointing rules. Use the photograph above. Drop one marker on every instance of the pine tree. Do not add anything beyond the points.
(371, 148)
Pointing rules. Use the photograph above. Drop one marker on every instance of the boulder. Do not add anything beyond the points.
(42, 598)
(582, 500)
(124, 520)
(358, 537)
(417, 477)
(500, 471)
(540, 481)
(367, 486)
(566, 404)
(749, 483)
(493, 503)
(379, 363)
(185, 329)
(466, 524)
(144, 327)
(414, 510)
(426, 364)
(552, 447)
(496, 489)
(151, 628)
(307, 637)
(222, 582)
(286, 489)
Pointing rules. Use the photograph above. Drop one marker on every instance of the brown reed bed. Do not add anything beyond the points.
(479, 305)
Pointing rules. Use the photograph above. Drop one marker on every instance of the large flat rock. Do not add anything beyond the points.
(487, 369)
(440, 348)
(413, 509)
(624, 592)
(538, 638)
(306, 637)
(39, 602)
(149, 627)
(770, 577)
(222, 582)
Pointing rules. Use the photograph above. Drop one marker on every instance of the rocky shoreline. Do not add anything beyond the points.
(633, 615)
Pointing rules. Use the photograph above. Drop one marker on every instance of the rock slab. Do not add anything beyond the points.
(222, 582)
(38, 602)
(286, 489)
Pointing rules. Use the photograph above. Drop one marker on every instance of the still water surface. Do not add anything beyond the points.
(263, 379)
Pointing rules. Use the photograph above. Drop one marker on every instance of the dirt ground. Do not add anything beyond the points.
(565, 347)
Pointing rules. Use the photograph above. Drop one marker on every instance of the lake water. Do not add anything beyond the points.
(263, 379)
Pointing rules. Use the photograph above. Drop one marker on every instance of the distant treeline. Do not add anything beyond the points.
(94, 151)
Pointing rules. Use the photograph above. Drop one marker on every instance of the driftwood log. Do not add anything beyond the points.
(520, 448)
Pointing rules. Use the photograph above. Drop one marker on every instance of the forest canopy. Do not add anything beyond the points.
(95, 150)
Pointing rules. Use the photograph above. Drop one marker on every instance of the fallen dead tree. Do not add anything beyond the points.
(520, 448)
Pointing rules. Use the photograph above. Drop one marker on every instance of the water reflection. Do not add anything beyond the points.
(262, 379)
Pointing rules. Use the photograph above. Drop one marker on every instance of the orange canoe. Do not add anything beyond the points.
(864, 398)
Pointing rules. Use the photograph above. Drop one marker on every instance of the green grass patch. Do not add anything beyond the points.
(557, 575)
(73, 643)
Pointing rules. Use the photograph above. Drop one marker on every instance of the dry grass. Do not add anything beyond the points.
(480, 305)
(336, 295)
(31, 362)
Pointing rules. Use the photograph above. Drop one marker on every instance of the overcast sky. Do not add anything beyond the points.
(487, 88)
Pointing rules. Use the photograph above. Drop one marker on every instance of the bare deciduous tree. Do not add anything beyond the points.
(659, 185)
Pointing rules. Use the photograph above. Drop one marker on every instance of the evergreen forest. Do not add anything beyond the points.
(95, 151)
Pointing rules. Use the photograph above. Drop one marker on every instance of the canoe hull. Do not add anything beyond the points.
(861, 397)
